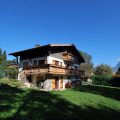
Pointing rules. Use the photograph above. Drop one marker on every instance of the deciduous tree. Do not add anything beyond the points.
(103, 69)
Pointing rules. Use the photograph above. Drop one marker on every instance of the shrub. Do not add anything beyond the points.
(103, 69)
(115, 81)
(11, 82)
(2, 74)
(102, 80)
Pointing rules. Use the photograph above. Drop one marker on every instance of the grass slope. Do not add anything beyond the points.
(83, 103)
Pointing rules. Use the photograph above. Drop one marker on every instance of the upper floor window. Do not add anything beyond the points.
(55, 62)
(60, 64)
(25, 64)
(67, 66)
(70, 56)
(41, 62)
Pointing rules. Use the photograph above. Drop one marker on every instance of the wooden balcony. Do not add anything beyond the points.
(50, 69)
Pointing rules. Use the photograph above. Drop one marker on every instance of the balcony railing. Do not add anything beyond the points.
(50, 69)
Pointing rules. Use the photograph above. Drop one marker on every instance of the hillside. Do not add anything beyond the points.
(83, 103)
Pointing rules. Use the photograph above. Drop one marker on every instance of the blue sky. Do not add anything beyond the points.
(92, 25)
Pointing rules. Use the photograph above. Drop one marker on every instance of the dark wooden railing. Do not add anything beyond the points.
(51, 69)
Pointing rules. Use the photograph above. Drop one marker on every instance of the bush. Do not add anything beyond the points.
(11, 72)
(2, 74)
(115, 81)
(11, 82)
(103, 70)
(102, 80)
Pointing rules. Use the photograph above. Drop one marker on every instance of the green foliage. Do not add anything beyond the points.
(0, 56)
(103, 69)
(5, 71)
(115, 81)
(88, 68)
(11, 72)
(11, 82)
(11, 62)
(3, 57)
(88, 65)
(87, 57)
(102, 80)
(2, 73)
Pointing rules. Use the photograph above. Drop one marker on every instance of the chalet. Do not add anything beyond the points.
(50, 67)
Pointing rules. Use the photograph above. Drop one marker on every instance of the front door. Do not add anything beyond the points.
(55, 83)
(61, 83)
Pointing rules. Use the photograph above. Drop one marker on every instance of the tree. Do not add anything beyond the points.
(88, 68)
(88, 65)
(4, 58)
(0, 56)
(11, 72)
(103, 69)
(2, 73)
(11, 62)
(87, 57)
(6, 71)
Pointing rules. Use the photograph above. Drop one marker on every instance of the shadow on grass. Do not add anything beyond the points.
(100, 90)
(39, 105)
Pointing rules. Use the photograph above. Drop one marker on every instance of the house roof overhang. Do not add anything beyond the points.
(49, 49)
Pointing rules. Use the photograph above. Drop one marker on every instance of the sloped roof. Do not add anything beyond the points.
(50, 48)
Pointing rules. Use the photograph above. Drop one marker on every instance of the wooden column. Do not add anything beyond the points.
(17, 59)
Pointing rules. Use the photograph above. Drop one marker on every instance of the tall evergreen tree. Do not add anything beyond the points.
(4, 58)
(0, 56)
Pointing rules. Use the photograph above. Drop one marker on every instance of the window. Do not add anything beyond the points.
(41, 62)
(60, 64)
(35, 62)
(25, 64)
(65, 55)
(75, 67)
(67, 66)
(54, 62)
(57, 63)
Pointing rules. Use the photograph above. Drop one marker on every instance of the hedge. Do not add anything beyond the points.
(102, 80)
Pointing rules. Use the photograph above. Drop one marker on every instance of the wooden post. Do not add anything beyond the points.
(17, 59)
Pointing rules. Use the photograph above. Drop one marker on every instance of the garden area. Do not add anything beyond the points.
(88, 102)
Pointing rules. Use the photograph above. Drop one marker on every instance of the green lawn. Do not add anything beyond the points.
(83, 103)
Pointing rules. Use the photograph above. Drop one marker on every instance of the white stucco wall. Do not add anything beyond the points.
(50, 59)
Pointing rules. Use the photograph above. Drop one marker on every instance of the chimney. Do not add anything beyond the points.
(37, 45)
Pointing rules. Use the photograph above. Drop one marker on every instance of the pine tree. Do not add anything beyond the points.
(4, 58)
(0, 56)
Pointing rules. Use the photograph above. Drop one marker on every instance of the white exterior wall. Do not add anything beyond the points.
(50, 59)
(48, 84)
